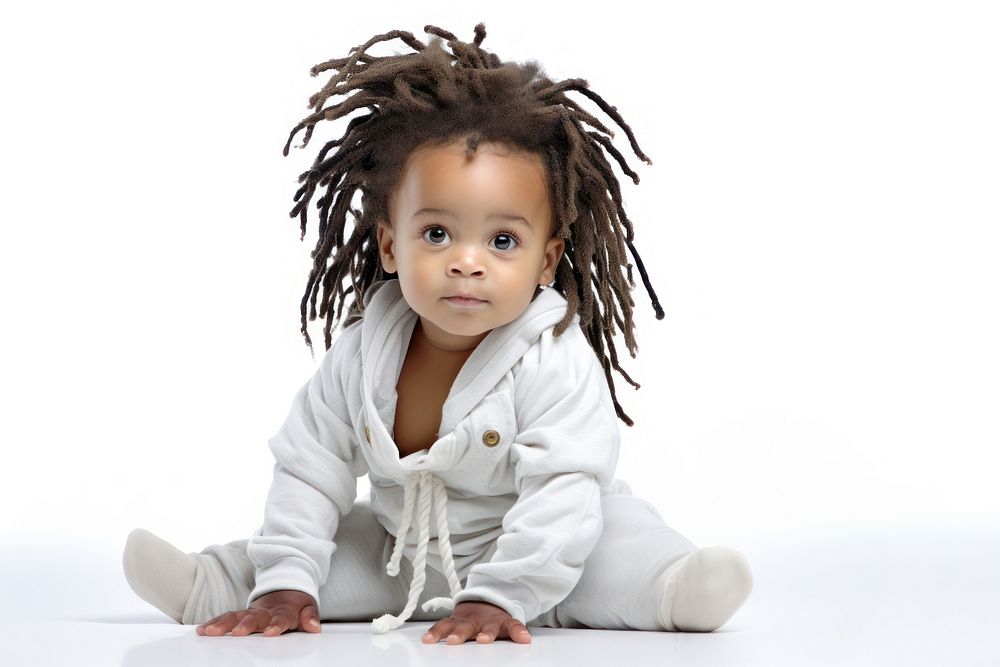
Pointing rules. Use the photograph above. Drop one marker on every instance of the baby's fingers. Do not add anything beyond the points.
(464, 628)
(488, 632)
(220, 625)
(517, 631)
(201, 628)
(309, 619)
(438, 630)
(269, 623)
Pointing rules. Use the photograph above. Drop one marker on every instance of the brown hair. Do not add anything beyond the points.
(435, 97)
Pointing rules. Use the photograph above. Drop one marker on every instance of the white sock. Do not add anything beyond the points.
(158, 572)
(702, 590)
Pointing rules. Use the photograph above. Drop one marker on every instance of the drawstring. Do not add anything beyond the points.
(426, 483)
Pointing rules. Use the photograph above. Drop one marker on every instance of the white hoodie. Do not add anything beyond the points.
(528, 443)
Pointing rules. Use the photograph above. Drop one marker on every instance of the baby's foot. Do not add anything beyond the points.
(158, 572)
(702, 590)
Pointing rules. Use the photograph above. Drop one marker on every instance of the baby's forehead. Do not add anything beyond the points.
(445, 181)
(457, 154)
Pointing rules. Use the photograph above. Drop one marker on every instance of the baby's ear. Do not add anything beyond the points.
(386, 249)
(553, 253)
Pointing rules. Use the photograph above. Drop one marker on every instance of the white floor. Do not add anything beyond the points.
(922, 596)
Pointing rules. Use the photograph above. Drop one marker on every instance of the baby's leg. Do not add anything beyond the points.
(357, 589)
(623, 582)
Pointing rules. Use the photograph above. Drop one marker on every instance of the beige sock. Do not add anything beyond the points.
(702, 590)
(158, 572)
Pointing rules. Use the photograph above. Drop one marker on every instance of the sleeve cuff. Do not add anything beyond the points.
(285, 574)
(516, 599)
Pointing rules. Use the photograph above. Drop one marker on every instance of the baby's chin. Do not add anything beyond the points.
(471, 322)
(471, 330)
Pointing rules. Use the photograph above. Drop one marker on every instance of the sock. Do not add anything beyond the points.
(158, 572)
(702, 590)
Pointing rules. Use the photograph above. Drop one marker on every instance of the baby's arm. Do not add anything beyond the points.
(317, 463)
(565, 451)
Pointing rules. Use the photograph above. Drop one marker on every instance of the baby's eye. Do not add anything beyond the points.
(508, 240)
(436, 233)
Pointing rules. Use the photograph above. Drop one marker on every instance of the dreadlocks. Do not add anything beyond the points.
(424, 98)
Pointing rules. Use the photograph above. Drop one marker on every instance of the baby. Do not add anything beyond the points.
(469, 381)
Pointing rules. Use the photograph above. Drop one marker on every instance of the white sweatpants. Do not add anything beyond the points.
(615, 591)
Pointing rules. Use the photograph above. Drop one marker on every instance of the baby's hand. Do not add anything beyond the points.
(270, 614)
(483, 620)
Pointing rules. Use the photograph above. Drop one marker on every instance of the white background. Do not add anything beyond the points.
(820, 224)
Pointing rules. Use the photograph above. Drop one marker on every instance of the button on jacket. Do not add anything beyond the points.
(508, 495)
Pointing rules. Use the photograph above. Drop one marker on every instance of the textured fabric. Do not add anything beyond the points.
(158, 572)
(616, 589)
(527, 446)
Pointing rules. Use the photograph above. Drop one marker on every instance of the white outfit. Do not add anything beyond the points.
(511, 497)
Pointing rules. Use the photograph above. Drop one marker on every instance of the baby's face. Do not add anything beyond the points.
(481, 227)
